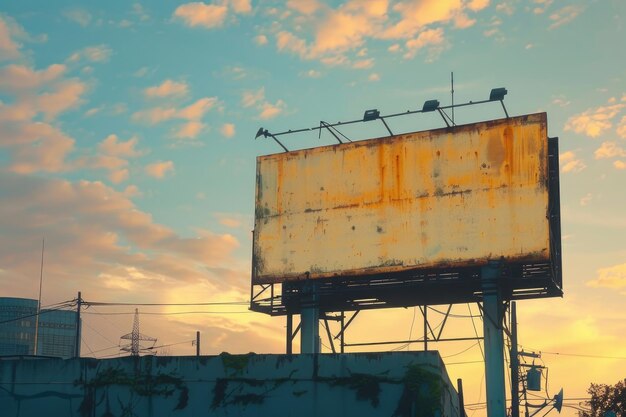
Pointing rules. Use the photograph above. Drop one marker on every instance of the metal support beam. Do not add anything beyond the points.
(289, 338)
(494, 341)
(514, 363)
(310, 320)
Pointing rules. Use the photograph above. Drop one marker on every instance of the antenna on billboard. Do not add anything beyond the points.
(452, 92)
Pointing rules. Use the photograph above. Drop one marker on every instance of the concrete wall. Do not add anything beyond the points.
(376, 384)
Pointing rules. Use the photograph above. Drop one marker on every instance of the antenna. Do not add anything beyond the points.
(43, 242)
(134, 348)
(452, 92)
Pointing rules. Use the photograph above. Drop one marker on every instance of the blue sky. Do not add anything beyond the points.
(127, 140)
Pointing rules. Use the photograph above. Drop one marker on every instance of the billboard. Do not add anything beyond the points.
(437, 198)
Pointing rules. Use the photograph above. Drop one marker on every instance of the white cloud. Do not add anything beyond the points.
(374, 77)
(96, 53)
(80, 16)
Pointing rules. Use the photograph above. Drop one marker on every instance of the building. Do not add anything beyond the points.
(57, 329)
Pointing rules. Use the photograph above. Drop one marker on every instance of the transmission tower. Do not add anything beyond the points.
(134, 348)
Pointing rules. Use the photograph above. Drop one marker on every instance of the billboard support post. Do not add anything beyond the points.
(494, 340)
(309, 317)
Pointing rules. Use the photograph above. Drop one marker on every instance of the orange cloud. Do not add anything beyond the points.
(593, 122)
(269, 110)
(228, 130)
(192, 112)
(190, 130)
(9, 48)
(241, 6)
(611, 277)
(564, 15)
(16, 78)
(304, 6)
(609, 150)
(159, 169)
(111, 145)
(431, 38)
(167, 88)
(570, 163)
(200, 14)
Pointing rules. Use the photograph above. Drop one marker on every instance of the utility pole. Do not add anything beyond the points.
(77, 345)
(198, 343)
(514, 363)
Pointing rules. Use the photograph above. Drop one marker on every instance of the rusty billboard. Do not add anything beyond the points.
(440, 199)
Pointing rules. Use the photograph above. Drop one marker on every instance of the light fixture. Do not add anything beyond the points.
(497, 94)
(430, 105)
(261, 132)
(371, 115)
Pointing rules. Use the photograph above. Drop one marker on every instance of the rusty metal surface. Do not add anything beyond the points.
(446, 197)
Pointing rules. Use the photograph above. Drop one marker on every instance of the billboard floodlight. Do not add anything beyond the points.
(371, 115)
(430, 105)
(497, 94)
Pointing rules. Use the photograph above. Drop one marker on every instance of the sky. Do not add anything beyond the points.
(127, 143)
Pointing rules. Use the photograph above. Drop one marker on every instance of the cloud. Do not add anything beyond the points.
(260, 40)
(312, 74)
(611, 277)
(159, 169)
(593, 122)
(204, 15)
(305, 7)
(96, 53)
(609, 150)
(192, 112)
(621, 165)
(269, 110)
(564, 15)
(190, 130)
(228, 130)
(374, 77)
(432, 39)
(364, 64)
(80, 16)
(586, 199)
(19, 78)
(621, 128)
(167, 88)
(570, 163)
(35, 147)
(477, 5)
(251, 97)
(241, 6)
(9, 48)
(111, 145)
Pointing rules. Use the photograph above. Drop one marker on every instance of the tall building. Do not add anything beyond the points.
(56, 335)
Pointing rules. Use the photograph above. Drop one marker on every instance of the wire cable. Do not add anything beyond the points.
(214, 303)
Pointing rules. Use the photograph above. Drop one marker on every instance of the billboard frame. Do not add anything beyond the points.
(516, 281)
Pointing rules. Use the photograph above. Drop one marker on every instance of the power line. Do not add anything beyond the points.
(120, 313)
(47, 310)
(215, 303)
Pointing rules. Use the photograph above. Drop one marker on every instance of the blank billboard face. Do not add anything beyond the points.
(441, 198)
